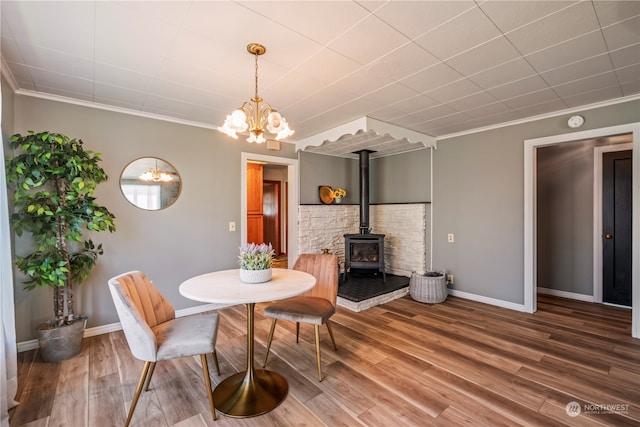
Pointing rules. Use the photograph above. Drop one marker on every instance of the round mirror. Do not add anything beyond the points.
(150, 183)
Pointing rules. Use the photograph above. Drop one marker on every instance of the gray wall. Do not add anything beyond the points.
(188, 238)
(400, 178)
(317, 170)
(478, 196)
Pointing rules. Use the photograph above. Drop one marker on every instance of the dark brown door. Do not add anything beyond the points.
(616, 227)
(271, 214)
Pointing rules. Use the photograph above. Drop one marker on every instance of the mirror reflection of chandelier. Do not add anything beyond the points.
(256, 116)
(156, 175)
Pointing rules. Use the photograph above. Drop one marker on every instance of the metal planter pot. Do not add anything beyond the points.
(61, 343)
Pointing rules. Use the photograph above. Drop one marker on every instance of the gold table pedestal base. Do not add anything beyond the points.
(250, 393)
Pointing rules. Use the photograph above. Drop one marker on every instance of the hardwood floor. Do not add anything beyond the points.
(402, 363)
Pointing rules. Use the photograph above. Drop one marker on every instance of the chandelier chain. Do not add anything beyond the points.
(256, 55)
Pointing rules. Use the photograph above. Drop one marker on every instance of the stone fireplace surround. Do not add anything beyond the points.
(405, 226)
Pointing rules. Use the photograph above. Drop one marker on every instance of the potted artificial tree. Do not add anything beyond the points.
(53, 179)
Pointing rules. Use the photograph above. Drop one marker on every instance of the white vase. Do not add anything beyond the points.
(255, 276)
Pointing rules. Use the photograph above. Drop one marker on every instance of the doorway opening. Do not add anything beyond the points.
(278, 203)
(531, 209)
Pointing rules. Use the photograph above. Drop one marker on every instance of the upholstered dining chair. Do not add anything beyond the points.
(154, 333)
(314, 307)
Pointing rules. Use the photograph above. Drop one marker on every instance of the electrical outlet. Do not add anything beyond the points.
(232, 226)
(450, 238)
(450, 278)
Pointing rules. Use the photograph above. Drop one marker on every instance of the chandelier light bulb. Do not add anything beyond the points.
(239, 120)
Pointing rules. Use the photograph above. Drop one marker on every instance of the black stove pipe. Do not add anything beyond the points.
(364, 190)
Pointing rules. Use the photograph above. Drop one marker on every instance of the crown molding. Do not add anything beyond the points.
(542, 116)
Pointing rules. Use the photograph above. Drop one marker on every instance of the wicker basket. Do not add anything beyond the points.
(428, 289)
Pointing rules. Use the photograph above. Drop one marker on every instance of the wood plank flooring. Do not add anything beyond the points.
(403, 363)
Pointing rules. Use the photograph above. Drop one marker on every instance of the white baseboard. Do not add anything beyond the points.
(487, 300)
(565, 294)
(113, 327)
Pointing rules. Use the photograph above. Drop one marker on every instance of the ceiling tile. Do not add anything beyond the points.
(22, 74)
(328, 66)
(414, 18)
(452, 119)
(114, 76)
(477, 100)
(10, 51)
(379, 38)
(569, 52)
(433, 77)
(593, 96)
(488, 109)
(628, 73)
(320, 21)
(523, 101)
(587, 84)
(610, 12)
(504, 73)
(577, 70)
(33, 21)
(540, 108)
(402, 62)
(509, 15)
(484, 56)
(623, 33)
(391, 94)
(448, 40)
(568, 23)
(519, 87)
(362, 82)
(626, 55)
(454, 90)
(415, 103)
(66, 83)
(630, 88)
(133, 98)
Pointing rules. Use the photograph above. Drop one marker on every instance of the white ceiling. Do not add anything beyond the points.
(434, 67)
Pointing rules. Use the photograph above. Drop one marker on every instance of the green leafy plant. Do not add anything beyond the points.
(256, 257)
(53, 179)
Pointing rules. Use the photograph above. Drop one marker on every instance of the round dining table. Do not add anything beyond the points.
(254, 391)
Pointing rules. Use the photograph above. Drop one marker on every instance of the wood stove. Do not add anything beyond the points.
(364, 250)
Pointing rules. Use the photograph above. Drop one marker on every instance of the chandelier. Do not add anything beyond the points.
(156, 175)
(256, 116)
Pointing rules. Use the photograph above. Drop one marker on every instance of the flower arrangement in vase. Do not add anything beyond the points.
(338, 194)
(255, 262)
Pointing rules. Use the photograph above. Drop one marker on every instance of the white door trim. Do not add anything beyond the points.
(530, 146)
(293, 199)
(597, 214)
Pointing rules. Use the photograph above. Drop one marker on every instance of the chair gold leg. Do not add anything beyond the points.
(149, 375)
(331, 335)
(134, 402)
(273, 328)
(297, 331)
(207, 383)
(317, 329)
(215, 359)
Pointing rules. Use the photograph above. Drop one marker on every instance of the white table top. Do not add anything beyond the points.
(225, 287)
